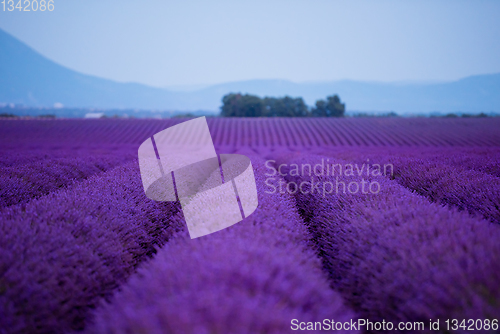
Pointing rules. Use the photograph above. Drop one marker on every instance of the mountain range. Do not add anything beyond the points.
(30, 79)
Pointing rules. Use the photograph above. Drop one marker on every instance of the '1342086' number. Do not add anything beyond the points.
(471, 324)
(28, 5)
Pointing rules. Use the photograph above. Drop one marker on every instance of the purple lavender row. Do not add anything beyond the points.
(442, 178)
(357, 132)
(63, 252)
(11, 157)
(485, 160)
(276, 132)
(395, 256)
(23, 182)
(479, 159)
(33, 133)
(475, 192)
(253, 277)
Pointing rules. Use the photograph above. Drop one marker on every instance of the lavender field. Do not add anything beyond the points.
(82, 249)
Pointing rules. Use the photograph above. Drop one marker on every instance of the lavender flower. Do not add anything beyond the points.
(61, 253)
(396, 256)
(253, 277)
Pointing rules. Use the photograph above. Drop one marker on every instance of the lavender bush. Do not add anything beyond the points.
(76, 225)
(254, 277)
(257, 132)
(21, 183)
(466, 181)
(61, 253)
(395, 256)
(480, 159)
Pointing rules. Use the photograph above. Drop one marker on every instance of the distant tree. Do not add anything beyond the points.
(297, 106)
(285, 107)
(237, 105)
(184, 115)
(252, 106)
(332, 107)
(230, 105)
(320, 109)
(4, 114)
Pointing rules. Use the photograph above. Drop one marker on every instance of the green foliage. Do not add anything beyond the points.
(285, 107)
(476, 115)
(238, 105)
(375, 114)
(332, 107)
(9, 115)
(184, 115)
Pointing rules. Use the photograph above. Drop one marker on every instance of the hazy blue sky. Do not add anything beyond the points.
(165, 43)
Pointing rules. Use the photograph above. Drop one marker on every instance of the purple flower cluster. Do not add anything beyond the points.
(355, 132)
(256, 132)
(83, 248)
(253, 277)
(463, 178)
(61, 253)
(396, 256)
(22, 182)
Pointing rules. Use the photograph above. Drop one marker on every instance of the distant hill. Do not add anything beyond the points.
(473, 94)
(28, 78)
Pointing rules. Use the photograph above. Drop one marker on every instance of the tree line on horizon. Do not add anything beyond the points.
(238, 105)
